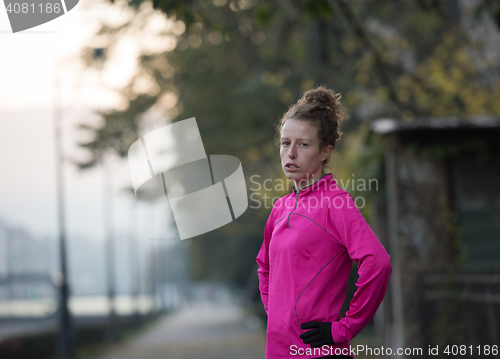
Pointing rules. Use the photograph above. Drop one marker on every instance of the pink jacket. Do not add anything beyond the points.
(310, 241)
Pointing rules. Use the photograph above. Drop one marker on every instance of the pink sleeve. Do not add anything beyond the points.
(263, 262)
(346, 223)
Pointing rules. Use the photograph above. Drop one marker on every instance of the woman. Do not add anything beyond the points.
(310, 240)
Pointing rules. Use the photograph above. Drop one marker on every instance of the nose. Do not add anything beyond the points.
(291, 152)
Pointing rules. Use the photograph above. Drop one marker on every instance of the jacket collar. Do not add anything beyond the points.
(322, 180)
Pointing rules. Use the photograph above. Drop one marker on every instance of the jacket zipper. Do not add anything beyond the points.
(289, 214)
(296, 204)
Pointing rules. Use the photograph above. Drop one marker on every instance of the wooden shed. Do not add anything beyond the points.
(438, 214)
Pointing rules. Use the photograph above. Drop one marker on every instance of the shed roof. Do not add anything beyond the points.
(385, 126)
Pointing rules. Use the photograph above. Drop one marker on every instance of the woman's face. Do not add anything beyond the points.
(301, 157)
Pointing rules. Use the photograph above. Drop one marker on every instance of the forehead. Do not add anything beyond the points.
(299, 129)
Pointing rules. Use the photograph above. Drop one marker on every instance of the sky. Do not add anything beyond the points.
(33, 64)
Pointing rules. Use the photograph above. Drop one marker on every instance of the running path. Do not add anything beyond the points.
(207, 331)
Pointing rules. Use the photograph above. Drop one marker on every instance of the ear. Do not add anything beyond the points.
(325, 153)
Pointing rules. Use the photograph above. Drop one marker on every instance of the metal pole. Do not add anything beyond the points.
(134, 264)
(153, 256)
(398, 332)
(66, 345)
(99, 58)
(110, 251)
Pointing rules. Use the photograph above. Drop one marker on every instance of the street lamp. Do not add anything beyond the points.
(66, 342)
(111, 335)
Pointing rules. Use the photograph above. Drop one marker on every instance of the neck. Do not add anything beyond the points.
(305, 182)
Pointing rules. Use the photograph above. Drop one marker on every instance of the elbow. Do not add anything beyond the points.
(386, 264)
(383, 263)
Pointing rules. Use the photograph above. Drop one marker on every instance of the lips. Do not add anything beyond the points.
(292, 167)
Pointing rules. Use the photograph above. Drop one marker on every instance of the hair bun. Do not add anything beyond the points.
(324, 99)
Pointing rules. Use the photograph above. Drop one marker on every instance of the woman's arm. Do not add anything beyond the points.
(345, 222)
(263, 262)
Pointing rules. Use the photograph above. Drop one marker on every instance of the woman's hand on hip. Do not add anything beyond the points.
(319, 335)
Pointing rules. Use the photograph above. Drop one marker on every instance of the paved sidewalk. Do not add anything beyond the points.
(208, 331)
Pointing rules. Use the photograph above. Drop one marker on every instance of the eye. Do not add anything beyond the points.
(304, 144)
(285, 143)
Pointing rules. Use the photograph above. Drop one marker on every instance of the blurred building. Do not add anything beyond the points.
(20, 252)
(438, 214)
(27, 288)
(25, 268)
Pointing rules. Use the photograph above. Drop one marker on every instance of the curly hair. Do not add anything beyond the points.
(322, 107)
